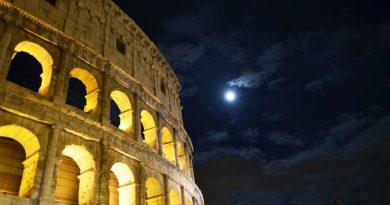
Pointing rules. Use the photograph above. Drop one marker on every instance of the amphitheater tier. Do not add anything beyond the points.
(121, 143)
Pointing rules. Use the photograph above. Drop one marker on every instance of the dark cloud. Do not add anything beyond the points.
(315, 180)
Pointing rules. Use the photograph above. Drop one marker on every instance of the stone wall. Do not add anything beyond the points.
(84, 35)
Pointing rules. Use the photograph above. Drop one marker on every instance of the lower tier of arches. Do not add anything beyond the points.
(51, 165)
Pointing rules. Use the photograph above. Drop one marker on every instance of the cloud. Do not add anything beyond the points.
(246, 153)
(189, 91)
(348, 125)
(317, 180)
(274, 84)
(281, 138)
(266, 65)
(272, 117)
(194, 24)
(250, 134)
(320, 83)
(248, 79)
(217, 136)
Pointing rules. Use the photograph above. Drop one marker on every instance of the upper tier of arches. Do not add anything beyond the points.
(157, 137)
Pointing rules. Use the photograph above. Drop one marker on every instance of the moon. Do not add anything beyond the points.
(230, 96)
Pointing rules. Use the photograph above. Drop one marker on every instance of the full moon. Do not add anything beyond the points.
(230, 96)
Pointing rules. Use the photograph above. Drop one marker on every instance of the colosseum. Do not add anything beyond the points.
(89, 109)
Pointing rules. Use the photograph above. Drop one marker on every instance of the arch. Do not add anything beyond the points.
(154, 194)
(168, 147)
(43, 57)
(150, 130)
(174, 197)
(31, 147)
(85, 162)
(126, 183)
(181, 156)
(91, 87)
(126, 115)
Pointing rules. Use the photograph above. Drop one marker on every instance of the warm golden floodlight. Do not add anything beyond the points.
(43, 57)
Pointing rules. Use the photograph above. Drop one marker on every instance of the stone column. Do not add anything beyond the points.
(175, 147)
(61, 80)
(137, 119)
(4, 43)
(158, 140)
(183, 196)
(166, 189)
(141, 187)
(104, 173)
(106, 100)
(50, 164)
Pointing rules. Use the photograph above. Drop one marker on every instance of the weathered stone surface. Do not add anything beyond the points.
(82, 38)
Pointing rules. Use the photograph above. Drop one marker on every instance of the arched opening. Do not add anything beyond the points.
(149, 129)
(67, 189)
(114, 114)
(154, 194)
(25, 71)
(168, 146)
(65, 192)
(12, 156)
(91, 89)
(122, 102)
(113, 188)
(76, 94)
(174, 197)
(23, 175)
(31, 67)
(125, 190)
(181, 156)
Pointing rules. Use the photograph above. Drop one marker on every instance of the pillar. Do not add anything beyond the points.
(166, 189)
(48, 170)
(61, 82)
(137, 119)
(105, 109)
(175, 147)
(4, 44)
(159, 134)
(183, 197)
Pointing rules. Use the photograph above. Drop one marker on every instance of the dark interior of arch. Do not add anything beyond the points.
(114, 113)
(12, 156)
(142, 132)
(76, 94)
(25, 71)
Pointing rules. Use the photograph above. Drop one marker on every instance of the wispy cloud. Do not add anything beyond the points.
(281, 138)
(250, 134)
(320, 83)
(217, 136)
(266, 65)
(245, 153)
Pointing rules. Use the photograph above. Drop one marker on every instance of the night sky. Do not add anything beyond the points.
(311, 121)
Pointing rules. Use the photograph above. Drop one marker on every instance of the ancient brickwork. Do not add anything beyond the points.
(95, 42)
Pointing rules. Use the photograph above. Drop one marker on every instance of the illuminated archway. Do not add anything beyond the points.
(43, 57)
(91, 87)
(154, 194)
(126, 115)
(31, 147)
(126, 183)
(181, 156)
(84, 161)
(168, 146)
(174, 197)
(150, 130)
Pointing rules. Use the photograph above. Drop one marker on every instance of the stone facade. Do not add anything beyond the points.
(95, 42)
